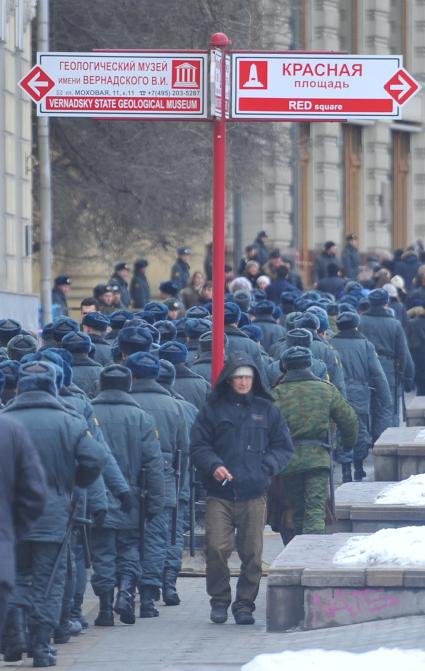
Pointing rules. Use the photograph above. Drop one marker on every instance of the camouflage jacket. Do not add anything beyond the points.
(309, 405)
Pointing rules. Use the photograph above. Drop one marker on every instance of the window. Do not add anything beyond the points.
(401, 169)
(352, 178)
(349, 23)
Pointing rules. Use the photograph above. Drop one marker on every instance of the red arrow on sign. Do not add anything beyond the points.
(37, 83)
(401, 86)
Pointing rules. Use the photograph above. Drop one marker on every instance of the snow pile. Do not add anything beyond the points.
(335, 660)
(403, 547)
(410, 492)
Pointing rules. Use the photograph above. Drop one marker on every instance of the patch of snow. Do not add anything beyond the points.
(410, 492)
(335, 660)
(403, 547)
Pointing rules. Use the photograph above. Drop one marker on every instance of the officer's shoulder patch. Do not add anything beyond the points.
(88, 433)
(96, 421)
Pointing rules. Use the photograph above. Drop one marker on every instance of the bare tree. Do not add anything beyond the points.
(118, 182)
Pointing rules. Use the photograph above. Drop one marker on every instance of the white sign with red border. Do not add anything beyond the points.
(313, 86)
(127, 84)
(215, 81)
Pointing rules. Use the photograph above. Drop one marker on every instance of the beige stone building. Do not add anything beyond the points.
(364, 177)
(15, 164)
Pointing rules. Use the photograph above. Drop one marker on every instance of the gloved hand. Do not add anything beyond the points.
(126, 502)
(99, 517)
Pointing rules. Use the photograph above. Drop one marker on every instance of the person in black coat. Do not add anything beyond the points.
(238, 442)
(22, 499)
(139, 287)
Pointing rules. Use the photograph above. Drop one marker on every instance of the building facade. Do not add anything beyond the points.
(363, 177)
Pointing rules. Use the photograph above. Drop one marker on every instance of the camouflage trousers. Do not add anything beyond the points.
(306, 493)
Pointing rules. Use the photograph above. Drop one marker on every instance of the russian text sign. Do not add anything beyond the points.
(155, 84)
(312, 86)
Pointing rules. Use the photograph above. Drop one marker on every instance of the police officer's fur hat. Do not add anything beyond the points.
(143, 365)
(167, 330)
(134, 339)
(174, 351)
(296, 357)
(115, 377)
(37, 376)
(20, 345)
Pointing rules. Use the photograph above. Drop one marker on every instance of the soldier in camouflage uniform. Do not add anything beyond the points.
(309, 405)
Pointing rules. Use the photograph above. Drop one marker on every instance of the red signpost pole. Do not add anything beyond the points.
(219, 41)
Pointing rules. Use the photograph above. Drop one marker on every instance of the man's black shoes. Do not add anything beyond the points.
(218, 613)
(243, 617)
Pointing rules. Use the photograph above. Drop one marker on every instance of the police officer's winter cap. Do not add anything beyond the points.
(140, 263)
(167, 330)
(253, 332)
(154, 349)
(66, 358)
(97, 321)
(174, 351)
(62, 326)
(53, 358)
(120, 266)
(156, 336)
(232, 313)
(244, 320)
(143, 365)
(301, 304)
(308, 321)
(299, 338)
(378, 297)
(353, 286)
(60, 280)
(296, 357)
(3, 354)
(184, 250)
(257, 295)
(346, 307)
(115, 377)
(242, 298)
(134, 339)
(20, 345)
(348, 320)
(290, 319)
(287, 298)
(322, 316)
(118, 318)
(160, 310)
(352, 299)
(145, 316)
(194, 327)
(101, 289)
(37, 376)
(205, 341)
(10, 370)
(332, 309)
(47, 332)
(9, 328)
(263, 307)
(167, 372)
(135, 321)
(77, 343)
(312, 295)
(198, 312)
(169, 287)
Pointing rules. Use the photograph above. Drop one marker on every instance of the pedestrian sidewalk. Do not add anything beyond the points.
(184, 638)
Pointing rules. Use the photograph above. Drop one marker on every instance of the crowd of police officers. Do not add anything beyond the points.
(106, 409)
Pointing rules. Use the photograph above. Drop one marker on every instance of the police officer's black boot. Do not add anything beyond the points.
(124, 603)
(76, 611)
(346, 473)
(42, 652)
(14, 641)
(106, 614)
(359, 473)
(147, 601)
(169, 592)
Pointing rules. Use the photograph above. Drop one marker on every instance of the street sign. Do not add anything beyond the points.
(215, 82)
(149, 85)
(278, 86)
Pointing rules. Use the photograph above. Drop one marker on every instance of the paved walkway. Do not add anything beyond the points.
(183, 637)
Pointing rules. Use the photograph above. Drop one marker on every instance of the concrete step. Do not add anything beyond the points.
(305, 587)
(399, 453)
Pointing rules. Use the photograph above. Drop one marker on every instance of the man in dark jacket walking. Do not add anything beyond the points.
(180, 272)
(239, 441)
(22, 499)
(351, 257)
(139, 287)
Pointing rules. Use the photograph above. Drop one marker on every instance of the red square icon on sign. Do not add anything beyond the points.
(186, 74)
(253, 74)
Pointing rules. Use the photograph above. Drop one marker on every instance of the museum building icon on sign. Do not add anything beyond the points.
(186, 75)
